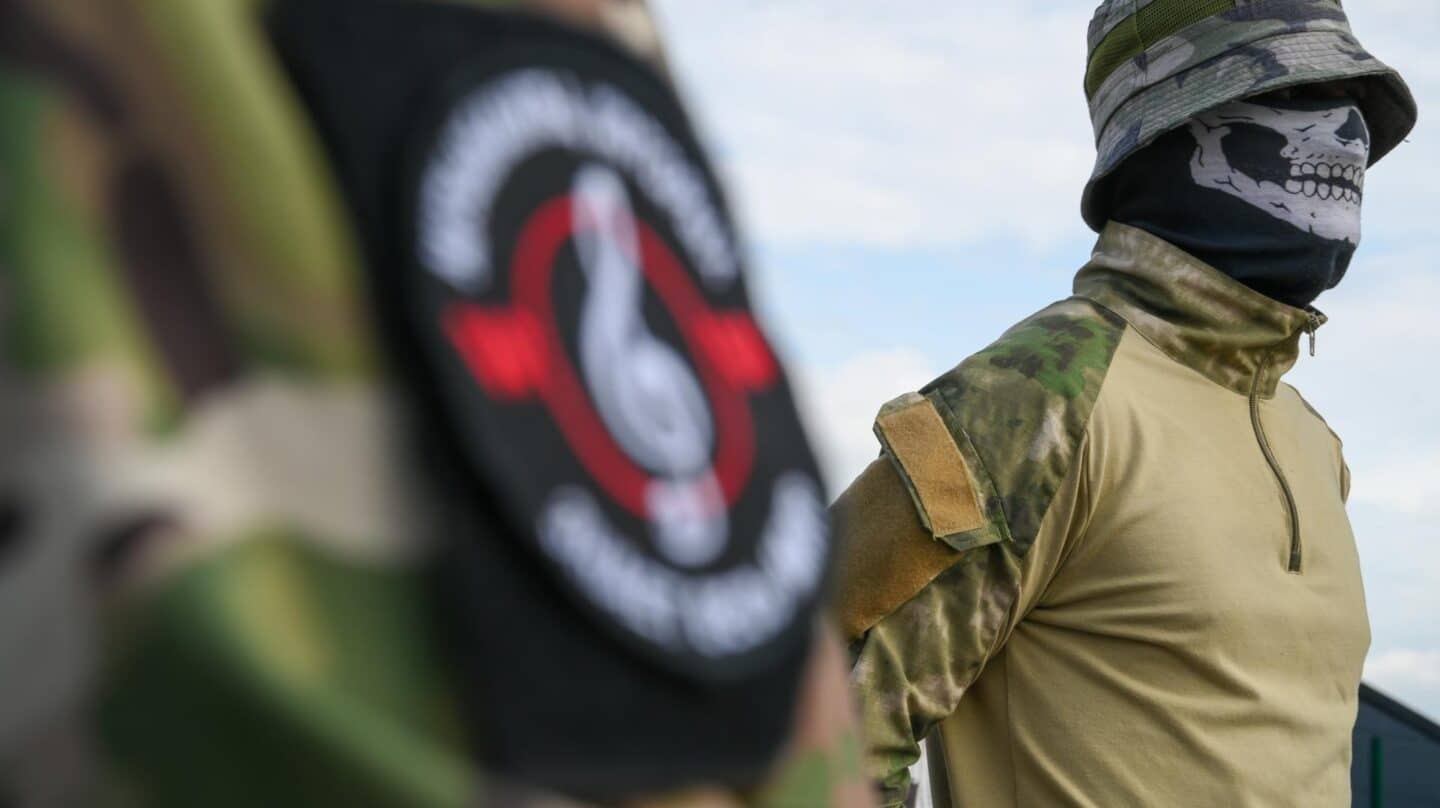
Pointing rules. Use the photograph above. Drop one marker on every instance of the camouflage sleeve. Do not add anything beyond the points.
(951, 612)
(898, 593)
(913, 667)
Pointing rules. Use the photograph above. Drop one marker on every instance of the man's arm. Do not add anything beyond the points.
(947, 541)
(922, 618)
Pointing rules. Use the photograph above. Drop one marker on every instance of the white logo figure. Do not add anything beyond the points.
(645, 393)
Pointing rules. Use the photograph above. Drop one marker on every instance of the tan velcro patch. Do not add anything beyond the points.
(932, 466)
(885, 556)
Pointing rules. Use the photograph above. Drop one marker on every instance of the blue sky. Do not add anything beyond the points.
(909, 174)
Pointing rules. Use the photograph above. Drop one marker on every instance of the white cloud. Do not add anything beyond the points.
(1404, 669)
(899, 124)
(1409, 484)
(1384, 310)
(840, 404)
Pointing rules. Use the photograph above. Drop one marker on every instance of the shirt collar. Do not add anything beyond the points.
(1197, 315)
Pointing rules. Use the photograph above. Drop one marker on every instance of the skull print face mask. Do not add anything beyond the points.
(1302, 166)
(1267, 192)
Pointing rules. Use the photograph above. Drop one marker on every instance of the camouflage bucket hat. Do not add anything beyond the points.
(1154, 64)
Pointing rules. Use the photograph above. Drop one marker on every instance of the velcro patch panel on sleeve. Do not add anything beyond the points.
(885, 555)
(931, 464)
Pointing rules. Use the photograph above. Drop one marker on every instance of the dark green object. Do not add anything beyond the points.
(1377, 772)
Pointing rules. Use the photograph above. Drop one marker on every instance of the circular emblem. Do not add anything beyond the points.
(579, 283)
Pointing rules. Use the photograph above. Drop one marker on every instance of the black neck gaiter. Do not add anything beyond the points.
(1268, 194)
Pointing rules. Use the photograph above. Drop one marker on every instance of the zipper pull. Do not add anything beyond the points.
(1311, 327)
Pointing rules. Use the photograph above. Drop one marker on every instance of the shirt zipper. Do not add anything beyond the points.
(1296, 557)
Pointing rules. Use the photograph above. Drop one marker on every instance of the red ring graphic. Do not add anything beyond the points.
(548, 229)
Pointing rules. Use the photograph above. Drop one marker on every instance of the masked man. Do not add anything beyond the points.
(301, 303)
(1106, 560)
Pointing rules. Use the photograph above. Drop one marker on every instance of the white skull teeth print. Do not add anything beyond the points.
(1327, 181)
(1304, 167)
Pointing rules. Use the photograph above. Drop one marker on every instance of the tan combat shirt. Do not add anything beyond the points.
(1107, 559)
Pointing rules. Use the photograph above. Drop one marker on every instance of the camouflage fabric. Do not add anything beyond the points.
(906, 687)
(1021, 405)
(213, 544)
(1137, 275)
(1154, 64)
(1018, 411)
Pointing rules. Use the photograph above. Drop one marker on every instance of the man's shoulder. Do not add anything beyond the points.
(1058, 354)
(1017, 410)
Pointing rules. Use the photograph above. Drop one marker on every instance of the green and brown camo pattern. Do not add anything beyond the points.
(212, 578)
(1021, 406)
(1197, 315)
(1248, 48)
(913, 667)
(1018, 410)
